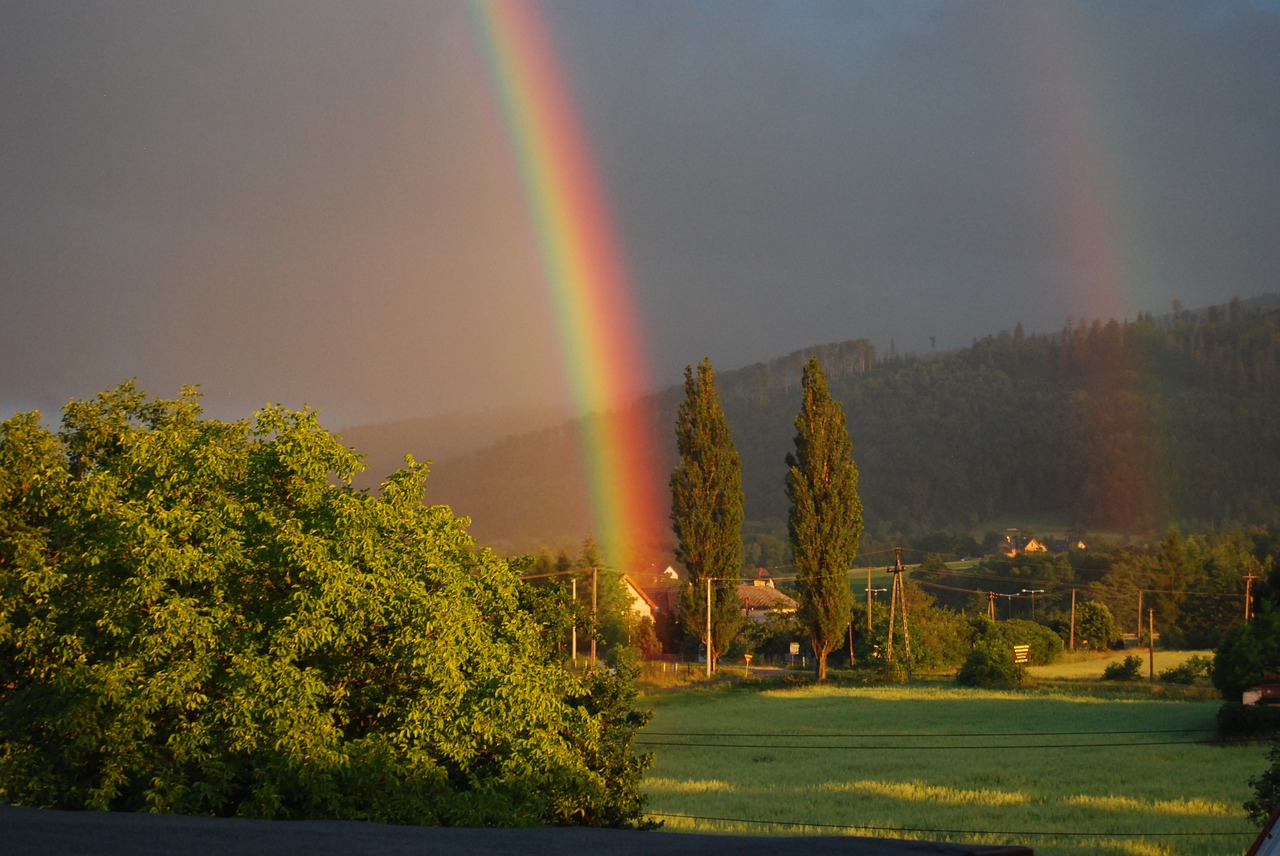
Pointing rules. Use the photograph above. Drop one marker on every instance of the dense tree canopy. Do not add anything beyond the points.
(706, 512)
(825, 515)
(204, 617)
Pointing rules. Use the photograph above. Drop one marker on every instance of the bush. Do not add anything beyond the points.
(990, 664)
(1238, 720)
(1266, 790)
(1046, 646)
(1128, 669)
(1188, 672)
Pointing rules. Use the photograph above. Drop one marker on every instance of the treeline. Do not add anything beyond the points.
(1118, 426)
(1191, 588)
(1123, 426)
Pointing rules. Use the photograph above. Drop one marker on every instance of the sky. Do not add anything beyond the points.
(317, 202)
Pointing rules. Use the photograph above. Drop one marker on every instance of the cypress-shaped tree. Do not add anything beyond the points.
(706, 512)
(825, 518)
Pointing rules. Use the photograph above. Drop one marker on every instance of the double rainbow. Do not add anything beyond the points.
(601, 341)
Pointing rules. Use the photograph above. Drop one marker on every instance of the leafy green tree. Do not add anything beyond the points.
(203, 617)
(825, 519)
(706, 512)
(1095, 625)
(1248, 654)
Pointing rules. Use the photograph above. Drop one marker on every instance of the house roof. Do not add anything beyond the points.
(763, 597)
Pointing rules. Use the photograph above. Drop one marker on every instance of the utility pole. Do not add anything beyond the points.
(1138, 640)
(1248, 597)
(991, 605)
(1073, 619)
(1151, 641)
(868, 601)
(595, 621)
(708, 627)
(573, 583)
(899, 594)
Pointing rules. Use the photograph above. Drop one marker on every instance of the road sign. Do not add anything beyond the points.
(1021, 653)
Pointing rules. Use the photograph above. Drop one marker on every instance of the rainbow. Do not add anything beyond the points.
(601, 341)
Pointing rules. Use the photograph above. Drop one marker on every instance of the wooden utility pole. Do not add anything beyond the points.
(868, 602)
(573, 583)
(899, 595)
(1138, 639)
(1248, 597)
(1151, 641)
(595, 621)
(708, 627)
(1073, 619)
(991, 605)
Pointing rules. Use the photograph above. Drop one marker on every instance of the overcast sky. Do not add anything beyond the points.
(311, 201)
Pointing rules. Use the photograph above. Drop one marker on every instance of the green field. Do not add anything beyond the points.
(944, 763)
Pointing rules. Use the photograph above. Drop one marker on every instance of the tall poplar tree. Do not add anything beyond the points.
(825, 518)
(706, 512)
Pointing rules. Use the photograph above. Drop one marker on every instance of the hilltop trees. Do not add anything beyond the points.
(203, 617)
(706, 512)
(825, 519)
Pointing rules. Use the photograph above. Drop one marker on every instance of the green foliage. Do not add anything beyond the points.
(1236, 720)
(990, 664)
(706, 511)
(1249, 654)
(1128, 669)
(1189, 671)
(825, 516)
(1046, 646)
(204, 617)
(1096, 626)
(1266, 790)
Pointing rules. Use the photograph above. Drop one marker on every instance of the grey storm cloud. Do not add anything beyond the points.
(304, 202)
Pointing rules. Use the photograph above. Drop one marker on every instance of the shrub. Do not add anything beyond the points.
(1266, 790)
(990, 664)
(1188, 672)
(1128, 669)
(1238, 720)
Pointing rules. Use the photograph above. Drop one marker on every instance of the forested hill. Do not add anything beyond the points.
(1119, 425)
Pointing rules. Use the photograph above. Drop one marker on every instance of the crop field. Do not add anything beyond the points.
(1062, 773)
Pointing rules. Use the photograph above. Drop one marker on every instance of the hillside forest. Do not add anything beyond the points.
(1126, 427)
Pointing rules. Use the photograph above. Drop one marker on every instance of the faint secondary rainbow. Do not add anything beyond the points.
(582, 269)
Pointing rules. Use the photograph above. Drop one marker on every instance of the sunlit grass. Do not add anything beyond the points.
(686, 786)
(914, 762)
(1188, 807)
(919, 791)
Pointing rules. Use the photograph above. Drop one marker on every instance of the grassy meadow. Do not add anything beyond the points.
(1060, 771)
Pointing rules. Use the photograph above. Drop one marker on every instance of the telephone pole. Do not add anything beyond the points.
(595, 621)
(1248, 597)
(1073, 619)
(573, 583)
(708, 627)
(899, 594)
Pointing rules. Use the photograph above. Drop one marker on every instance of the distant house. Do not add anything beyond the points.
(642, 604)
(760, 599)
(1268, 693)
(1066, 545)
(1013, 545)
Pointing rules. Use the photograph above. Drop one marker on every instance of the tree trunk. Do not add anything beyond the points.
(820, 660)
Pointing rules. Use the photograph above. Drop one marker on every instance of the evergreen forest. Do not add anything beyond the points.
(1119, 426)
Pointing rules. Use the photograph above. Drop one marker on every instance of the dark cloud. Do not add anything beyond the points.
(314, 202)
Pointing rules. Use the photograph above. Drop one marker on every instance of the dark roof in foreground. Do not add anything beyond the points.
(30, 831)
